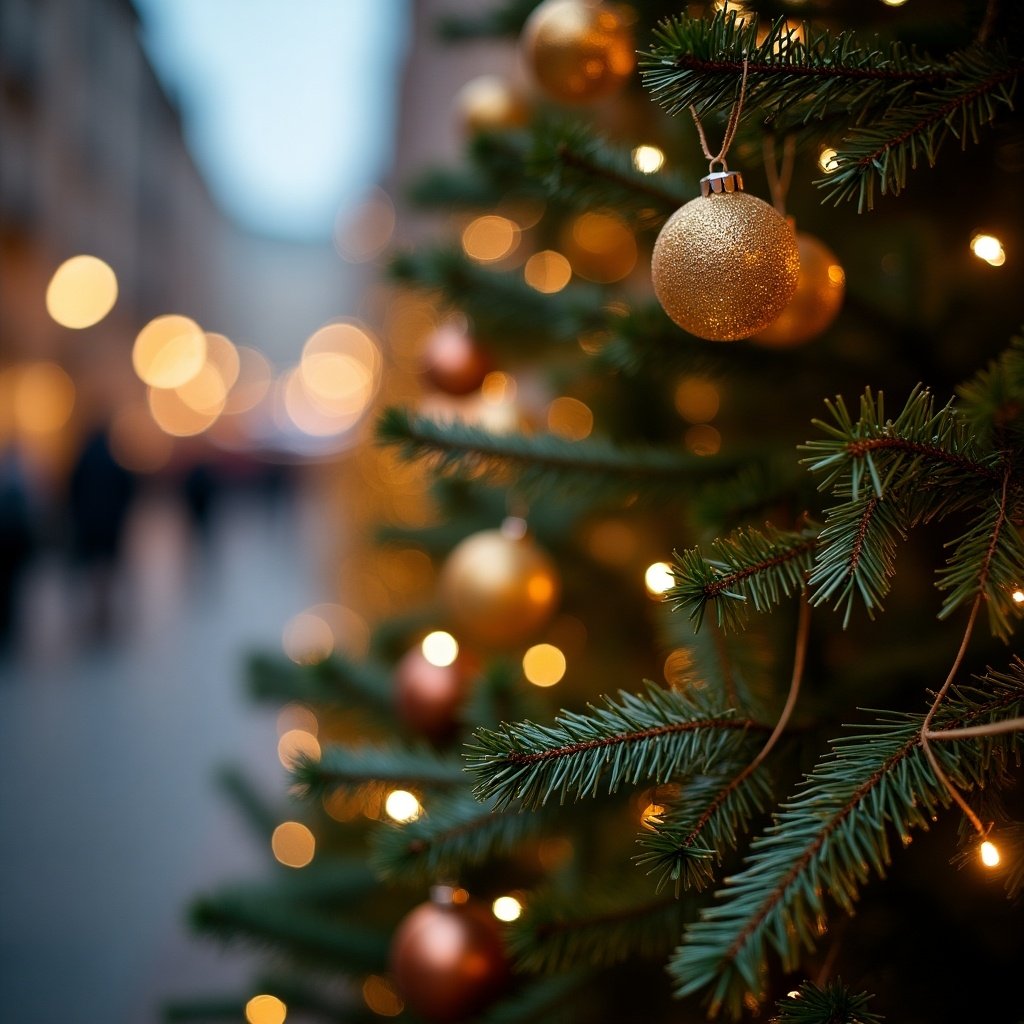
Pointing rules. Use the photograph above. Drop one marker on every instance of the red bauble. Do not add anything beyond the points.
(447, 959)
(428, 697)
(453, 362)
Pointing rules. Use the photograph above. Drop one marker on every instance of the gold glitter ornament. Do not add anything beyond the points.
(816, 301)
(498, 587)
(578, 50)
(726, 263)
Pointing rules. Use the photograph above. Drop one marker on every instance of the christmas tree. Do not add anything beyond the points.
(648, 746)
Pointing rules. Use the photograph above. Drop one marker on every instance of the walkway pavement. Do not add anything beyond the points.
(111, 820)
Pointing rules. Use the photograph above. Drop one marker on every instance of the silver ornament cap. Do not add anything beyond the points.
(721, 181)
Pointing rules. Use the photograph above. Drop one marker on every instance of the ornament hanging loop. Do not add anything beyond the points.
(730, 128)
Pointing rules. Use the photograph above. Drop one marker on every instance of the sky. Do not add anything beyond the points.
(288, 105)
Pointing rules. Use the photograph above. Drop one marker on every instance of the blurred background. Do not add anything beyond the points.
(194, 197)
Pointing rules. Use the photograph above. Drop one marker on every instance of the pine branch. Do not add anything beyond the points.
(500, 302)
(499, 696)
(826, 840)
(992, 402)
(856, 554)
(543, 462)
(833, 1004)
(353, 767)
(912, 102)
(586, 171)
(749, 568)
(297, 931)
(987, 562)
(690, 837)
(599, 926)
(453, 833)
(336, 680)
(649, 738)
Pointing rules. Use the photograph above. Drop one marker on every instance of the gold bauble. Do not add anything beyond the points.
(725, 264)
(816, 301)
(490, 103)
(578, 50)
(498, 588)
(447, 959)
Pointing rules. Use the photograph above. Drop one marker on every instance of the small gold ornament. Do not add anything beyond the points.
(579, 50)
(726, 263)
(816, 301)
(490, 103)
(447, 958)
(498, 587)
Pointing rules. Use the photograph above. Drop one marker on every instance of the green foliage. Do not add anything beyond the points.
(708, 819)
(898, 106)
(825, 841)
(602, 924)
(542, 463)
(638, 739)
(832, 1004)
(749, 568)
(452, 833)
(992, 402)
(538, 1002)
(353, 767)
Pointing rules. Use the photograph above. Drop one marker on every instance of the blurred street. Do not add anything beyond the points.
(108, 755)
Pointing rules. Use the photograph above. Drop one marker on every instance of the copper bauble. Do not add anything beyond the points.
(726, 263)
(490, 103)
(578, 50)
(498, 589)
(447, 960)
(428, 697)
(453, 362)
(816, 301)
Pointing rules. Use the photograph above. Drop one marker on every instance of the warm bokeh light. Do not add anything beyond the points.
(43, 398)
(350, 630)
(507, 908)
(498, 387)
(601, 248)
(381, 998)
(297, 716)
(265, 1009)
(697, 399)
(989, 249)
(544, 665)
(307, 639)
(136, 442)
(169, 351)
(206, 392)
(827, 159)
(894, 3)
(402, 806)
(678, 667)
(222, 353)
(297, 743)
(293, 844)
(254, 376)
(440, 648)
(362, 232)
(650, 816)
(174, 417)
(490, 238)
(658, 579)
(547, 271)
(703, 440)
(648, 159)
(570, 418)
(1018, 596)
(989, 854)
(81, 292)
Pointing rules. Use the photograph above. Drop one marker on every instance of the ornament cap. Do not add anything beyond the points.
(721, 181)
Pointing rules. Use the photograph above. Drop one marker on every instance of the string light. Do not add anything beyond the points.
(544, 665)
(827, 160)
(989, 854)
(507, 908)
(440, 648)
(265, 1009)
(650, 817)
(1018, 596)
(648, 159)
(658, 578)
(989, 249)
(402, 806)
